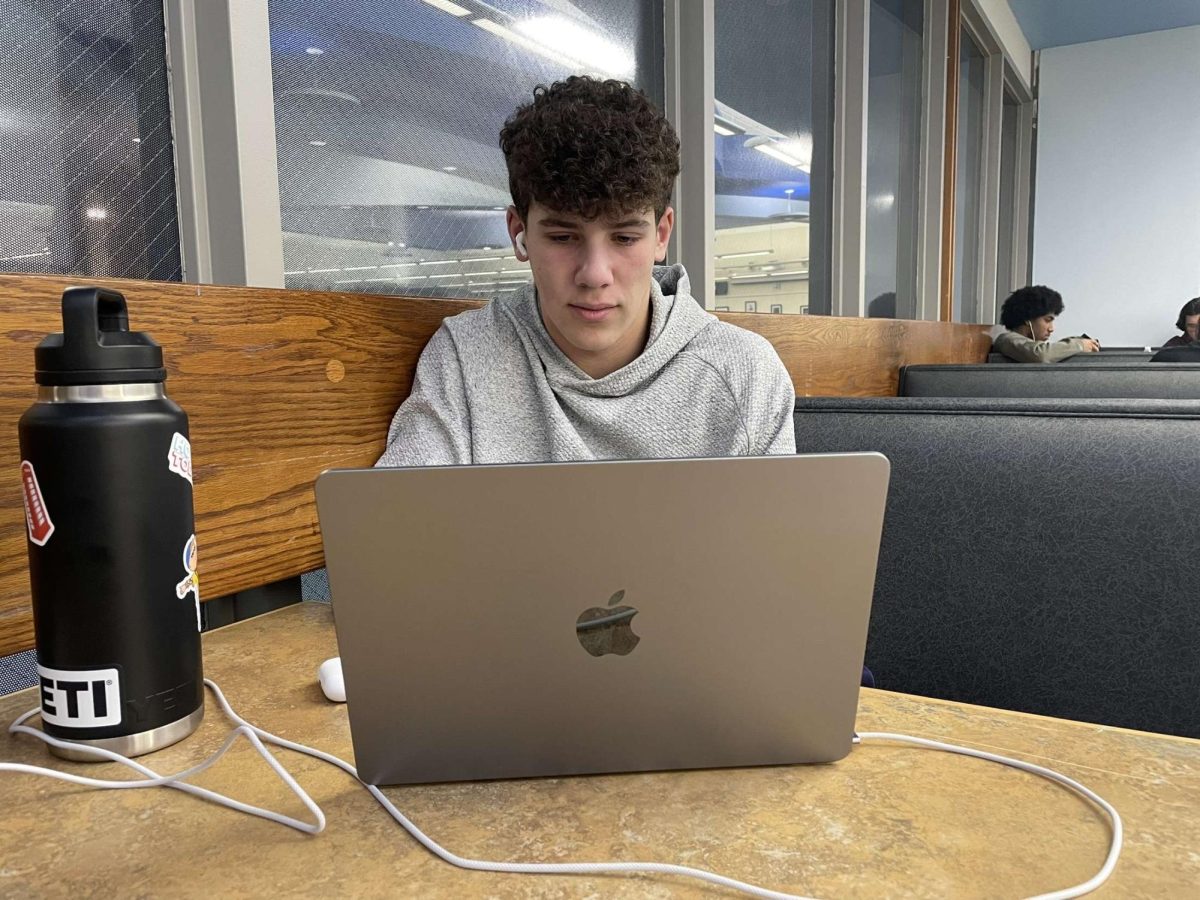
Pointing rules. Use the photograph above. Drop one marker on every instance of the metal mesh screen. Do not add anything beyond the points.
(387, 119)
(87, 182)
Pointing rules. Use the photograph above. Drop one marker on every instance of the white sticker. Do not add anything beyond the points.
(37, 518)
(80, 699)
(191, 581)
(179, 457)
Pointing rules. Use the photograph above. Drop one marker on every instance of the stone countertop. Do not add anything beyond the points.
(889, 820)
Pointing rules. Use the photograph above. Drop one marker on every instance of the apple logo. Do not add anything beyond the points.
(608, 629)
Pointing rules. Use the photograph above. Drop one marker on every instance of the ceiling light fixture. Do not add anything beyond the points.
(95, 213)
(765, 144)
(722, 125)
(747, 253)
(449, 168)
(586, 46)
(314, 51)
(317, 143)
(447, 7)
(520, 40)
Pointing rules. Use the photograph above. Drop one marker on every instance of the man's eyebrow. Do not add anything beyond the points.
(627, 224)
(550, 222)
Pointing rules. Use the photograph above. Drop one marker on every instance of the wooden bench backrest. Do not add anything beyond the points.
(281, 385)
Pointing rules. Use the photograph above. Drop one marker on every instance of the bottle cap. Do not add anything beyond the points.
(96, 345)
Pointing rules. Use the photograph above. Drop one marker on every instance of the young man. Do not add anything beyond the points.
(1029, 315)
(604, 355)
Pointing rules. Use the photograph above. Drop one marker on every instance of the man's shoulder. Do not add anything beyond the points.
(726, 345)
(487, 325)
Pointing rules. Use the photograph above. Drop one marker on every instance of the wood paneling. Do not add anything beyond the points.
(832, 356)
(280, 385)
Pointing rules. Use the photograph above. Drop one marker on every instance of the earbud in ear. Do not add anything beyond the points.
(519, 240)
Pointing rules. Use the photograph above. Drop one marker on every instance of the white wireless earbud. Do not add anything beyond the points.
(519, 240)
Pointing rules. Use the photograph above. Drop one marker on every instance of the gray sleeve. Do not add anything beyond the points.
(771, 423)
(433, 426)
(1023, 349)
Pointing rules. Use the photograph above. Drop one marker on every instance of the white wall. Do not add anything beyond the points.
(1117, 215)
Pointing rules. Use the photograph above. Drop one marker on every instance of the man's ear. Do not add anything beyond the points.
(516, 233)
(662, 234)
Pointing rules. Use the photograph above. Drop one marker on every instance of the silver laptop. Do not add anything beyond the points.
(569, 618)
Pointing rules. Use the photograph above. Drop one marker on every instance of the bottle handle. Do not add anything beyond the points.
(88, 311)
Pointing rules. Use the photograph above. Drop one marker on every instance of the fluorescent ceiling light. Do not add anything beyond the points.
(586, 46)
(722, 125)
(447, 7)
(500, 31)
(359, 268)
(317, 143)
(775, 153)
(772, 274)
(314, 51)
(32, 255)
(436, 262)
(95, 213)
(747, 253)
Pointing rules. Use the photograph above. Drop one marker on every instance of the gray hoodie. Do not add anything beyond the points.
(493, 387)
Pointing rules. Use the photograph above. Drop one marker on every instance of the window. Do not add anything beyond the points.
(893, 156)
(773, 128)
(968, 180)
(87, 182)
(1006, 276)
(387, 119)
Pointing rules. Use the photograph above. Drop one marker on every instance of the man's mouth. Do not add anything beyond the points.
(591, 313)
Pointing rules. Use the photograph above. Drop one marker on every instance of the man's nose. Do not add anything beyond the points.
(595, 267)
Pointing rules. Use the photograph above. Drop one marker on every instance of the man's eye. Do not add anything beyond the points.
(558, 238)
(626, 239)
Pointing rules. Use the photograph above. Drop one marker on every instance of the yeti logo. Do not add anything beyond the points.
(80, 699)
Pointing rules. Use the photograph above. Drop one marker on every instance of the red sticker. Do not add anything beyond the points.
(36, 516)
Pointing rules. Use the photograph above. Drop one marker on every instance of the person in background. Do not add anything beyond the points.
(1028, 315)
(1188, 322)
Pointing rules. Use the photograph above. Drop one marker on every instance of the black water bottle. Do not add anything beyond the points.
(106, 468)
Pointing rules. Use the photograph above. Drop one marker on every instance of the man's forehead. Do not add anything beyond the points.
(544, 215)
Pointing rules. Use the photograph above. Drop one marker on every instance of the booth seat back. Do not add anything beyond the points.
(1166, 381)
(1122, 356)
(1039, 555)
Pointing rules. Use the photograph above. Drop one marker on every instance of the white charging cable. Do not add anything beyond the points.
(257, 736)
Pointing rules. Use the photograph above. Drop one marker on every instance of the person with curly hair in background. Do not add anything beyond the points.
(1029, 315)
(604, 355)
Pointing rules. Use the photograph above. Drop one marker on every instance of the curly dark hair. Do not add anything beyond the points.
(590, 148)
(1191, 308)
(1027, 303)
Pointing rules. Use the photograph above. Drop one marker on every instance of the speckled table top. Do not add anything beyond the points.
(888, 821)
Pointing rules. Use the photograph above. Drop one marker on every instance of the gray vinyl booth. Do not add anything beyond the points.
(1038, 555)
(1162, 381)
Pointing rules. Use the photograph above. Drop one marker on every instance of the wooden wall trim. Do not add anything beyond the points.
(281, 385)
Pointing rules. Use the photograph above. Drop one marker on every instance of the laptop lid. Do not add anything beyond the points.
(566, 618)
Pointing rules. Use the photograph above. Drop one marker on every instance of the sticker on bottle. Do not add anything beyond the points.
(191, 581)
(36, 515)
(179, 457)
